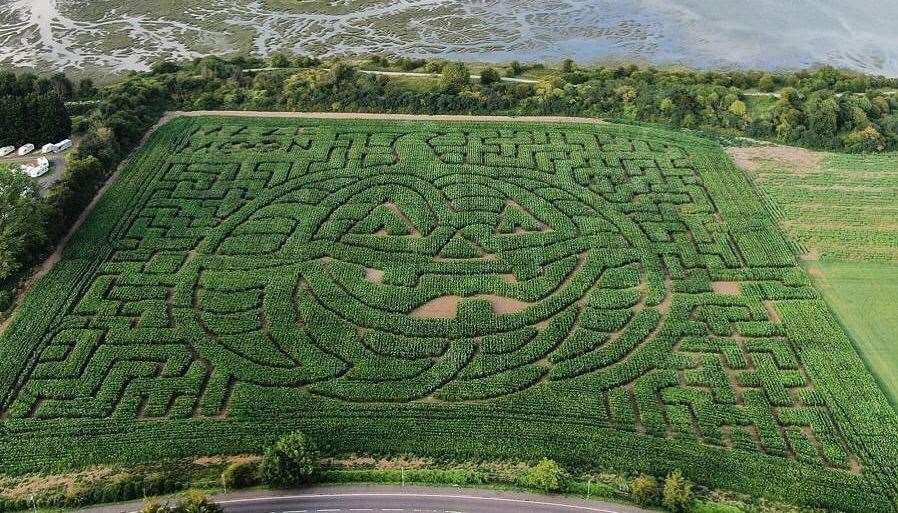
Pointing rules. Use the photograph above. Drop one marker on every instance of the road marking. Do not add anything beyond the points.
(575, 507)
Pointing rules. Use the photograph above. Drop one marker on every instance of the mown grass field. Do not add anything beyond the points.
(861, 295)
(842, 210)
(603, 295)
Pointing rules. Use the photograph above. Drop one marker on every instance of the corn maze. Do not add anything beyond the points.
(604, 295)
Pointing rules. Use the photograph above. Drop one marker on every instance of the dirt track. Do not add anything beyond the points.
(392, 117)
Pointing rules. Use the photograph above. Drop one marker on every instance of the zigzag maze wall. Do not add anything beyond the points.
(604, 295)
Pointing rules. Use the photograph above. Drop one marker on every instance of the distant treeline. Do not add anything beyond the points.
(824, 108)
(32, 109)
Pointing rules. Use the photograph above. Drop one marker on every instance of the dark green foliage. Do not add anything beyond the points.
(33, 118)
(489, 76)
(22, 218)
(83, 176)
(456, 77)
(279, 60)
(291, 461)
(6, 299)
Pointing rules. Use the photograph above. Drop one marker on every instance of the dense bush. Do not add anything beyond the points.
(677, 494)
(6, 299)
(240, 474)
(291, 461)
(489, 76)
(644, 489)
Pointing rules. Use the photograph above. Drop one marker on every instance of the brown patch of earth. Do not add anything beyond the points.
(811, 256)
(446, 307)
(726, 288)
(772, 313)
(509, 278)
(404, 462)
(207, 461)
(443, 307)
(755, 158)
(505, 305)
(374, 275)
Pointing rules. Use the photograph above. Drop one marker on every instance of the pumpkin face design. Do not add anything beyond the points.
(407, 282)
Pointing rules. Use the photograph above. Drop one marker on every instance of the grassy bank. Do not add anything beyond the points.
(112, 483)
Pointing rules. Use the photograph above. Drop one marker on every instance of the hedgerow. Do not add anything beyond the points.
(599, 295)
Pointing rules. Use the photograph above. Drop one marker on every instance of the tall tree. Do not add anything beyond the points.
(22, 234)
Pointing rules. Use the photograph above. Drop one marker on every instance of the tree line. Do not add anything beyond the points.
(825, 108)
(32, 109)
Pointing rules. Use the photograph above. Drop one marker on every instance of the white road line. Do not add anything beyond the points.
(575, 507)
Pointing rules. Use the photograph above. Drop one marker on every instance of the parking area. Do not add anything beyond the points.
(57, 166)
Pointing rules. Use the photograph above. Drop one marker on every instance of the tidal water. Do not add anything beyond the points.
(116, 35)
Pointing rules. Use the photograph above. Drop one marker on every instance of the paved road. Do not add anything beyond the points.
(408, 499)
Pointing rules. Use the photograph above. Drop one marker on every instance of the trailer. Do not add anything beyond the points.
(6, 150)
(48, 148)
(62, 145)
(39, 169)
(25, 150)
